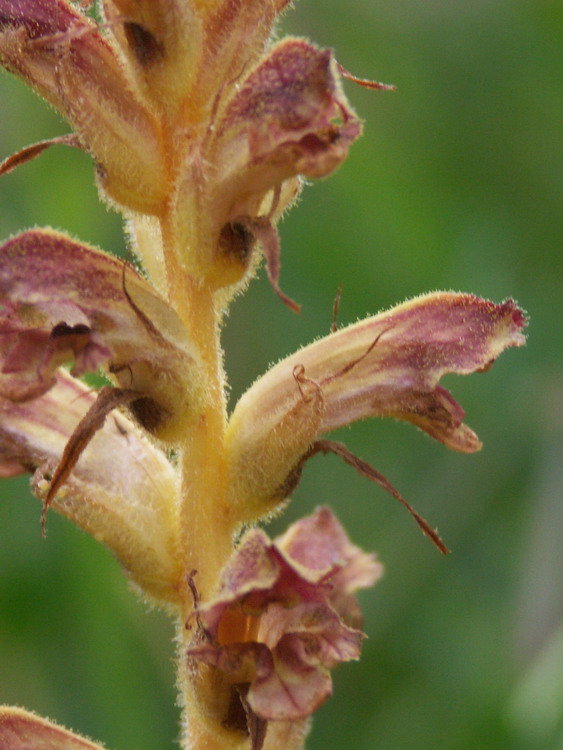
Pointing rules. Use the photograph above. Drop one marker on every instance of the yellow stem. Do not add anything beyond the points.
(205, 523)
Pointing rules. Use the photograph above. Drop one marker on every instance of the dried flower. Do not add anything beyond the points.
(65, 301)
(284, 616)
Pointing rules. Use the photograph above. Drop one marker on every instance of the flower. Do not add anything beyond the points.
(63, 301)
(123, 490)
(388, 365)
(285, 615)
(64, 56)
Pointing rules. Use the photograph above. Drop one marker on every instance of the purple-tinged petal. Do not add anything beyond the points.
(292, 689)
(63, 301)
(39, 18)
(122, 491)
(10, 467)
(320, 543)
(386, 366)
(235, 35)
(62, 54)
(22, 730)
(289, 117)
(274, 625)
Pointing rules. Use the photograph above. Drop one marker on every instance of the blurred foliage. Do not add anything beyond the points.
(456, 183)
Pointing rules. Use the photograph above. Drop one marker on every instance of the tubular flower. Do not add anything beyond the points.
(285, 615)
(65, 301)
(62, 54)
(389, 365)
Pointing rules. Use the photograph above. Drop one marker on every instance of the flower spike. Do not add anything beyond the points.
(203, 129)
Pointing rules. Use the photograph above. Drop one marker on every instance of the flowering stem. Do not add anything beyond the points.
(205, 523)
(206, 527)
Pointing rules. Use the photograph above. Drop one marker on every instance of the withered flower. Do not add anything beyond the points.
(64, 301)
(285, 615)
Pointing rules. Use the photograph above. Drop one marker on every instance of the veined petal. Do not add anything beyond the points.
(319, 543)
(22, 730)
(122, 491)
(63, 56)
(388, 365)
(64, 301)
(289, 117)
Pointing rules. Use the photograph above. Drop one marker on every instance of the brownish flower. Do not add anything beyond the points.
(285, 615)
(389, 365)
(62, 301)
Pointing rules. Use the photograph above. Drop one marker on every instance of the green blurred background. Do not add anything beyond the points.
(456, 184)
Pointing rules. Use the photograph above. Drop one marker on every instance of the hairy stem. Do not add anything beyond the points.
(206, 525)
